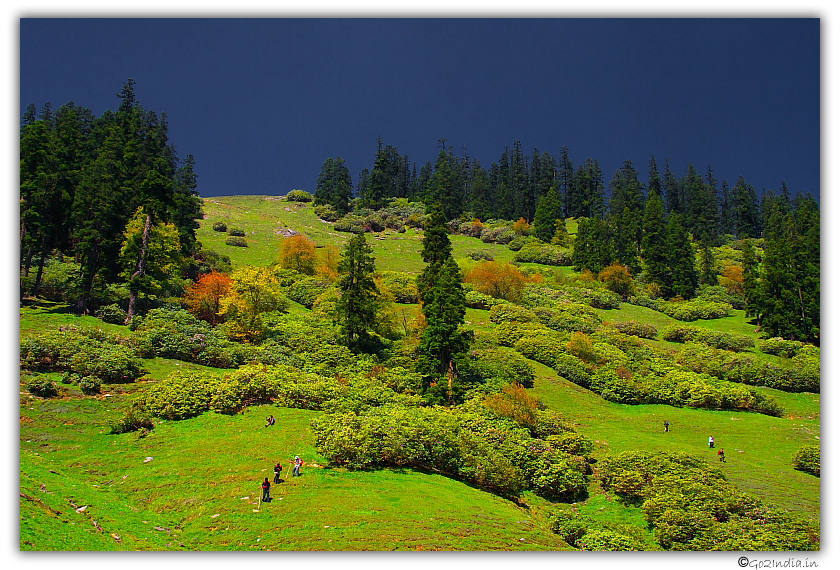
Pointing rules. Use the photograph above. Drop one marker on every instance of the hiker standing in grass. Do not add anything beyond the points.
(269, 421)
(667, 425)
(266, 488)
(711, 442)
(298, 463)
(278, 469)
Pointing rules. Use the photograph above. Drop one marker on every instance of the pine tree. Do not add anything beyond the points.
(356, 308)
(672, 191)
(654, 242)
(683, 278)
(549, 210)
(654, 181)
(334, 185)
(443, 303)
(750, 267)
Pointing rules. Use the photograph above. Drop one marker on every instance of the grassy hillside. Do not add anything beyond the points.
(194, 484)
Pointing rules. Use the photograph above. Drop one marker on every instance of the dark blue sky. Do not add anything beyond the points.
(261, 103)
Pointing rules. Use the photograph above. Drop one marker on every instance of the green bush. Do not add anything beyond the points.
(480, 255)
(573, 369)
(403, 286)
(716, 339)
(112, 314)
(572, 443)
(559, 476)
(133, 419)
(42, 387)
(571, 526)
(493, 363)
(807, 459)
(90, 385)
(544, 348)
(299, 196)
(546, 254)
(507, 313)
(236, 232)
(780, 347)
(60, 280)
(696, 309)
(641, 330)
(327, 212)
(305, 290)
(608, 540)
(220, 227)
(478, 300)
(236, 241)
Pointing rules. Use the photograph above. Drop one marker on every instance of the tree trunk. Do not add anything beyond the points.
(81, 305)
(36, 288)
(134, 293)
(26, 264)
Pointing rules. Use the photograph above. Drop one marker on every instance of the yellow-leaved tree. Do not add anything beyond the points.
(253, 292)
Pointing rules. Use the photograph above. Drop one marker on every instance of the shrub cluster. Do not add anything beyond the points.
(681, 388)
(327, 212)
(807, 459)
(781, 347)
(220, 227)
(237, 232)
(60, 280)
(42, 387)
(87, 352)
(478, 300)
(685, 310)
(641, 330)
(691, 506)
(402, 286)
(236, 241)
(803, 375)
(470, 442)
(585, 533)
(716, 339)
(543, 253)
(299, 196)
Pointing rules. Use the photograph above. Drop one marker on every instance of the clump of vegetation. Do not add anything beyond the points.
(236, 232)
(299, 196)
(220, 227)
(716, 339)
(42, 387)
(691, 506)
(641, 330)
(236, 241)
(807, 459)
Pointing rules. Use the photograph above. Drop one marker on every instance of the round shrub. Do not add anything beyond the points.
(237, 232)
(572, 443)
(90, 385)
(403, 286)
(511, 313)
(571, 526)
(327, 212)
(220, 227)
(559, 476)
(807, 459)
(299, 196)
(780, 347)
(133, 419)
(42, 387)
(480, 255)
(70, 378)
(641, 330)
(236, 241)
(545, 254)
(608, 540)
(112, 314)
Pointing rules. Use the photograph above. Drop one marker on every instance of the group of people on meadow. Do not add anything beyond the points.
(721, 455)
(278, 469)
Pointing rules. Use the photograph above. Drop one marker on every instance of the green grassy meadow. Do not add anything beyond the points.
(194, 484)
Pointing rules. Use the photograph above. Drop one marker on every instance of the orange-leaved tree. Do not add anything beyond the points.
(732, 278)
(204, 297)
(617, 278)
(328, 259)
(499, 280)
(298, 253)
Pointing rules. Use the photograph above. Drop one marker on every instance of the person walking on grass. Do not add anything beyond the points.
(278, 469)
(667, 425)
(269, 421)
(266, 489)
(711, 442)
(722, 456)
(298, 463)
